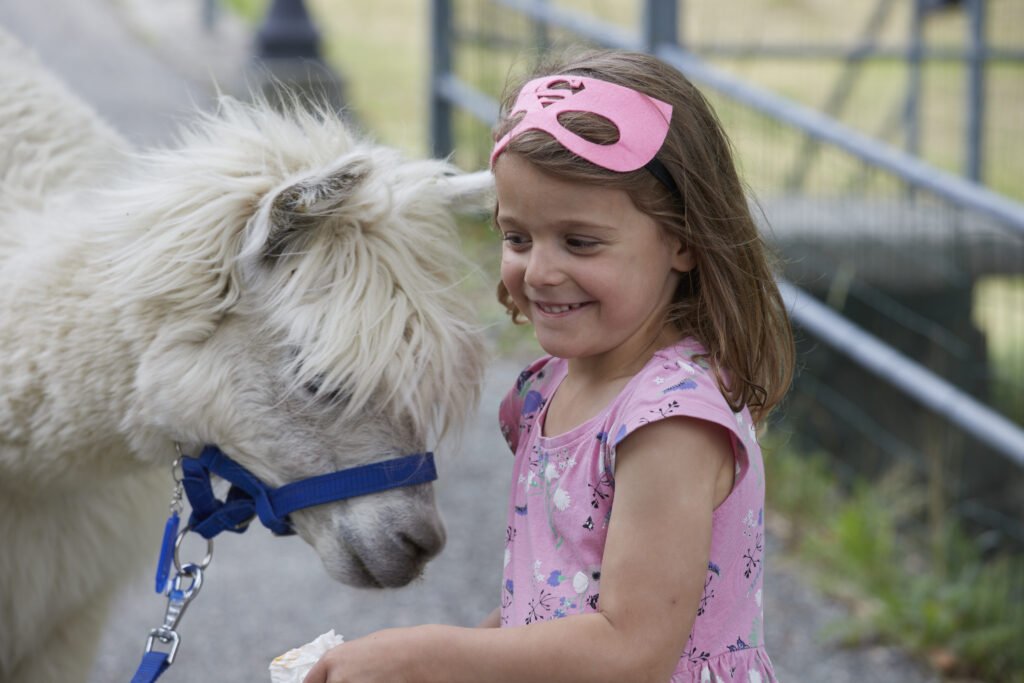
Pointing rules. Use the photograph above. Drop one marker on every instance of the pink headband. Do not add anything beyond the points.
(642, 120)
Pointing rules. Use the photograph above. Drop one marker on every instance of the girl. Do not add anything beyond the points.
(635, 539)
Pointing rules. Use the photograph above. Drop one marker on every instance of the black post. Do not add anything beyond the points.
(976, 62)
(288, 33)
(441, 137)
(660, 24)
(912, 106)
(288, 59)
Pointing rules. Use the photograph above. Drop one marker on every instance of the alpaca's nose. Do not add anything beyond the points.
(425, 543)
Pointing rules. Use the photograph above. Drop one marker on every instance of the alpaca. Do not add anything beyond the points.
(273, 284)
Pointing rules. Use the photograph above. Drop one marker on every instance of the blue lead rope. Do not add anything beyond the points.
(248, 498)
(153, 664)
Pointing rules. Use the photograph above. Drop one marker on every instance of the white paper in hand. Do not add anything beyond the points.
(292, 666)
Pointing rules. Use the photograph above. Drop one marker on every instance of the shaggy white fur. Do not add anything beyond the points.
(271, 285)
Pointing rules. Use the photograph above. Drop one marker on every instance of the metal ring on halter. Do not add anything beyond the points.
(178, 475)
(177, 544)
(176, 467)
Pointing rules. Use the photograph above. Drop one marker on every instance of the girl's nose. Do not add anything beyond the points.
(543, 268)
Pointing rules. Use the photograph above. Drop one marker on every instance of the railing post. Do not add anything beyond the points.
(441, 142)
(912, 106)
(660, 24)
(541, 37)
(976, 59)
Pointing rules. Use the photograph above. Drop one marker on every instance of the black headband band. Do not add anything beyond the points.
(659, 171)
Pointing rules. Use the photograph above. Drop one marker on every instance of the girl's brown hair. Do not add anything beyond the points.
(729, 301)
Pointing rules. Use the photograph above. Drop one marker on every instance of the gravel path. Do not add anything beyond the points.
(143, 64)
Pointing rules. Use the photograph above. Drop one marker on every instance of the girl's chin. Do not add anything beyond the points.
(562, 347)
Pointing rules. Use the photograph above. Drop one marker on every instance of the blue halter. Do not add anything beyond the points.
(249, 497)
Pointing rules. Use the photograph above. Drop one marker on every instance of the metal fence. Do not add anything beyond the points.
(905, 281)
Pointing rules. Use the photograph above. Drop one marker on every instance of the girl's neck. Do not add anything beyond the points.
(622, 363)
(592, 383)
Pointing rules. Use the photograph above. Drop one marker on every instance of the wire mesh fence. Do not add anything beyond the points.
(935, 279)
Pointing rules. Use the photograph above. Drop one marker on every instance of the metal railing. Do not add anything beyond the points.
(974, 231)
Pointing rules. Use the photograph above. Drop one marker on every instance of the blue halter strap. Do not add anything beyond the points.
(249, 497)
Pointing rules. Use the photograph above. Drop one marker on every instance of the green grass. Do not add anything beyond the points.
(250, 10)
(946, 603)
(380, 48)
(999, 311)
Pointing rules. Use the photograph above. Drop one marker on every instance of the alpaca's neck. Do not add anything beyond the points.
(69, 359)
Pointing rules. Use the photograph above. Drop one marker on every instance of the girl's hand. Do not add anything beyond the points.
(381, 657)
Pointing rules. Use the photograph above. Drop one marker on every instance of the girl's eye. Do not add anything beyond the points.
(515, 240)
(580, 244)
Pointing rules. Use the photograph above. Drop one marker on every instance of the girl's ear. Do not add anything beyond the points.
(683, 260)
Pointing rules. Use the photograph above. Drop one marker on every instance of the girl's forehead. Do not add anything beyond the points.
(525, 189)
(573, 213)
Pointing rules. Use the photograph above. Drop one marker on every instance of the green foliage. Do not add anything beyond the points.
(943, 601)
(250, 10)
(797, 484)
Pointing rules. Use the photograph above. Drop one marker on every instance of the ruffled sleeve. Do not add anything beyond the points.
(523, 402)
(677, 383)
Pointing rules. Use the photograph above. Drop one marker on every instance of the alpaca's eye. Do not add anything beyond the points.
(315, 387)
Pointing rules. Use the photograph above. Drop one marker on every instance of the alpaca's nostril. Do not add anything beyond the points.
(411, 546)
(422, 547)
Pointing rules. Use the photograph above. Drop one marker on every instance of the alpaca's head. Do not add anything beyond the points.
(302, 289)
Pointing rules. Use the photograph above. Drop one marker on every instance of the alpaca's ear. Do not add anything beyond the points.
(306, 202)
(469, 192)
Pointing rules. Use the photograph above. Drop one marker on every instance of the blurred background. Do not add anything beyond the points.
(882, 142)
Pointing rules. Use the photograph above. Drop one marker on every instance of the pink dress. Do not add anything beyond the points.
(561, 501)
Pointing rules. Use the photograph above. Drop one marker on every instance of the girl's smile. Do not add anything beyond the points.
(593, 273)
(557, 310)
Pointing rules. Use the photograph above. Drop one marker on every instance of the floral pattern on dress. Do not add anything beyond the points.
(562, 500)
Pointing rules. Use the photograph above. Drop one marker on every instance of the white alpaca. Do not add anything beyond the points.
(273, 286)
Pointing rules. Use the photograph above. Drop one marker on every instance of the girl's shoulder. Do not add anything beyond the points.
(675, 371)
(678, 381)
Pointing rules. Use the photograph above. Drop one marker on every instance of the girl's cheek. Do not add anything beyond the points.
(511, 268)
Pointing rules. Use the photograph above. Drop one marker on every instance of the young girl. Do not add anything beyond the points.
(635, 539)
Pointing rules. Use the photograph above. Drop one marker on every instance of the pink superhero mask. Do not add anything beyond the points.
(642, 120)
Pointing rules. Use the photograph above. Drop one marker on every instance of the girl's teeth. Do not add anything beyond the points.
(559, 309)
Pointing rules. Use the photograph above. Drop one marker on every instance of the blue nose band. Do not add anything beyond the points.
(249, 497)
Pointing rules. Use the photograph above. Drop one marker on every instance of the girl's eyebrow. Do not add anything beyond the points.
(589, 226)
(567, 224)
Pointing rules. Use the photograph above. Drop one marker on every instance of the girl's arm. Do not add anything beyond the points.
(669, 477)
(492, 620)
